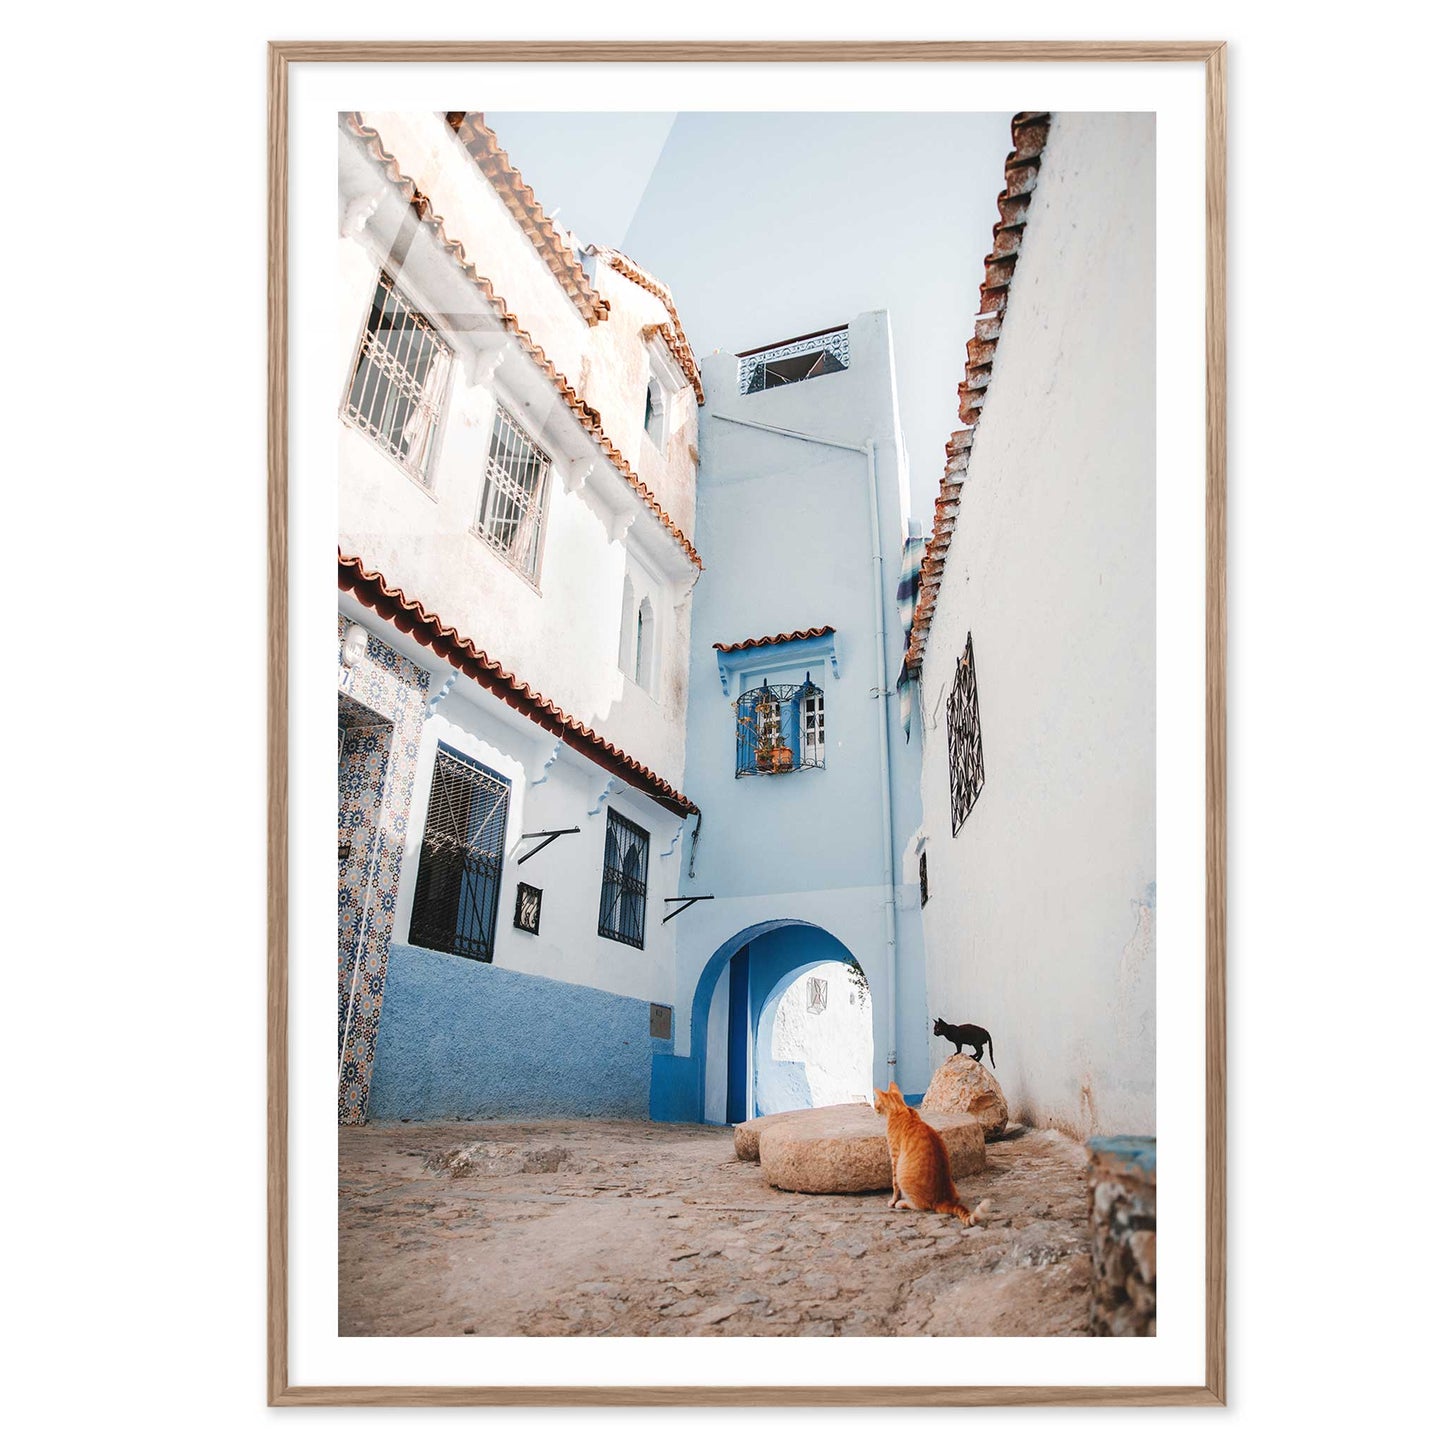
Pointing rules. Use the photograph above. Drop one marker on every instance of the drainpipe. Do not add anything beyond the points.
(869, 450)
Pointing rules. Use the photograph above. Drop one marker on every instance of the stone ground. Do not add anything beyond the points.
(602, 1227)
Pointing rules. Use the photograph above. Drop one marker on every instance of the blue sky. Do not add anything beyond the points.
(768, 225)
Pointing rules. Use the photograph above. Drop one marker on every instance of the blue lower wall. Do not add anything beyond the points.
(461, 1039)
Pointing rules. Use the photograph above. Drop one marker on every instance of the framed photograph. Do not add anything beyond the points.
(771, 488)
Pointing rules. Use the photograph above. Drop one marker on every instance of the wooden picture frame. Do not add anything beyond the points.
(1210, 56)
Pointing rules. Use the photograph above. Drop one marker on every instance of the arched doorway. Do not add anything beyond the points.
(815, 1040)
(745, 978)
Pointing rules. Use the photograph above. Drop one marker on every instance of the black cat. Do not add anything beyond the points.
(960, 1034)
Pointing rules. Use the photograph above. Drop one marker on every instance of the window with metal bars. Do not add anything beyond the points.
(965, 739)
(817, 995)
(399, 381)
(459, 877)
(623, 911)
(779, 728)
(514, 494)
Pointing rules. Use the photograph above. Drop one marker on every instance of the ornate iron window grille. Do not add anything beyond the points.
(799, 360)
(514, 495)
(965, 739)
(399, 380)
(817, 995)
(622, 914)
(780, 728)
(459, 876)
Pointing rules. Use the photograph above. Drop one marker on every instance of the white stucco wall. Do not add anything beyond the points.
(544, 794)
(808, 1060)
(559, 633)
(785, 529)
(615, 382)
(1040, 924)
(428, 151)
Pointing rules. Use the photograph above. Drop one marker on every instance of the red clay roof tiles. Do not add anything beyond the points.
(373, 591)
(482, 145)
(1021, 172)
(776, 637)
(675, 337)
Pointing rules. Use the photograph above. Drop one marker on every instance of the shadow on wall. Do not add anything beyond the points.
(783, 1085)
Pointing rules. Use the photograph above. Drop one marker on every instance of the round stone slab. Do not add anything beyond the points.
(844, 1149)
(746, 1134)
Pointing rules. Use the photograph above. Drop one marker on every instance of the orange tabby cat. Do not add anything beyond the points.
(921, 1175)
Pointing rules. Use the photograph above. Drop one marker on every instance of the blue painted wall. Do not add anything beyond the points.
(461, 1039)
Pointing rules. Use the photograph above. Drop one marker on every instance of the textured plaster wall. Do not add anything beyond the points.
(559, 633)
(808, 1060)
(614, 380)
(428, 151)
(466, 1039)
(784, 527)
(1040, 924)
(550, 789)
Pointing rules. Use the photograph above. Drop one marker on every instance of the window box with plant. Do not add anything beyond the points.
(780, 728)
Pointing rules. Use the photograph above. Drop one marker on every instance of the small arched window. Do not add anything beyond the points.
(642, 676)
(654, 419)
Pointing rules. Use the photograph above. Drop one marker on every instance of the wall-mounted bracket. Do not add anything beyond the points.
(576, 477)
(548, 835)
(434, 701)
(548, 765)
(614, 785)
(676, 838)
(488, 362)
(686, 904)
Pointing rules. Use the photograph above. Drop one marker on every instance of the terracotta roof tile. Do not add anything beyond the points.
(373, 591)
(482, 145)
(585, 414)
(776, 637)
(677, 340)
(1021, 173)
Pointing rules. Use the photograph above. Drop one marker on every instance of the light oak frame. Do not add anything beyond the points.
(1209, 54)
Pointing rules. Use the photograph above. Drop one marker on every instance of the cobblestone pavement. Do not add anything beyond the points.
(582, 1227)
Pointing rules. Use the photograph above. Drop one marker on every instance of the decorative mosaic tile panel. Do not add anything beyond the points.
(381, 705)
(360, 785)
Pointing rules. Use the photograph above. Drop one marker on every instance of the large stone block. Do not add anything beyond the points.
(843, 1149)
(746, 1134)
(963, 1086)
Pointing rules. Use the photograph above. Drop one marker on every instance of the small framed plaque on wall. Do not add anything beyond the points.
(528, 916)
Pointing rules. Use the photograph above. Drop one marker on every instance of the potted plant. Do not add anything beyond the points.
(773, 754)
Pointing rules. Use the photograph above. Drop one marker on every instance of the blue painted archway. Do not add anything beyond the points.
(765, 959)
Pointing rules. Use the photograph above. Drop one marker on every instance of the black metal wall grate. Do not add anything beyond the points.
(459, 876)
(622, 914)
(965, 739)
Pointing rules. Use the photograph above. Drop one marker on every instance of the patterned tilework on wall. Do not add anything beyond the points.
(360, 785)
(381, 700)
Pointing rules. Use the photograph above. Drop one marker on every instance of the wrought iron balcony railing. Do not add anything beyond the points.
(780, 728)
(799, 359)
